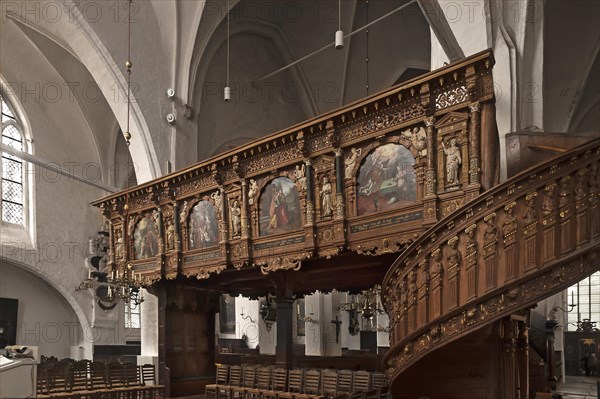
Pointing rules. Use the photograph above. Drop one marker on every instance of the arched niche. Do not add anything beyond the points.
(280, 209)
(203, 226)
(386, 180)
(145, 238)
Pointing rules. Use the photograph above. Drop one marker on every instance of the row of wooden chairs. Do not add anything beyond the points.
(97, 380)
(251, 382)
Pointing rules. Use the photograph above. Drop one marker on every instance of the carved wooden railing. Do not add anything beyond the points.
(516, 244)
(214, 215)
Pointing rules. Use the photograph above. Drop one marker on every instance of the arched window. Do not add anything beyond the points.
(13, 183)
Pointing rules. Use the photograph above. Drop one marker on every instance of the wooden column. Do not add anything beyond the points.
(508, 359)
(474, 134)
(284, 352)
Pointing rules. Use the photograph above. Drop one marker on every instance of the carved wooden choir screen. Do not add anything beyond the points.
(369, 178)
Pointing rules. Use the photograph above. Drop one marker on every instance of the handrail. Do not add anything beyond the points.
(506, 249)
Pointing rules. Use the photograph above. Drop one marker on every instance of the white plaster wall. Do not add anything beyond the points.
(63, 219)
(314, 345)
(44, 317)
(149, 324)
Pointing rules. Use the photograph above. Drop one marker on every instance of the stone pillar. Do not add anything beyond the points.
(284, 354)
(149, 324)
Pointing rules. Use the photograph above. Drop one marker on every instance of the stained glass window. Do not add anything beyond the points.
(12, 168)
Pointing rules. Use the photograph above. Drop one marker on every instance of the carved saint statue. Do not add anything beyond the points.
(119, 246)
(252, 191)
(490, 235)
(453, 161)
(326, 204)
(510, 221)
(131, 226)
(216, 196)
(350, 162)
(300, 176)
(418, 139)
(156, 217)
(236, 218)
(170, 236)
(183, 213)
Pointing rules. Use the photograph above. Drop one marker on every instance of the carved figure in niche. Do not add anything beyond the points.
(350, 162)
(236, 218)
(119, 245)
(156, 217)
(418, 139)
(453, 162)
(300, 176)
(145, 240)
(548, 201)
(386, 180)
(170, 233)
(453, 255)
(203, 226)
(412, 283)
(510, 221)
(130, 226)
(436, 269)
(252, 191)
(490, 235)
(472, 243)
(183, 213)
(280, 207)
(530, 214)
(326, 204)
(563, 194)
(218, 199)
(580, 189)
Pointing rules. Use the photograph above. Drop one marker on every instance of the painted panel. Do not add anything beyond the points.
(145, 238)
(280, 207)
(204, 229)
(386, 180)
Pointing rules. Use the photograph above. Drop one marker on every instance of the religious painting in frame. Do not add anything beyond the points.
(203, 225)
(279, 207)
(145, 238)
(227, 314)
(386, 180)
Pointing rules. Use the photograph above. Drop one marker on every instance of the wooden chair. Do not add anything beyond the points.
(235, 380)
(98, 380)
(77, 380)
(154, 389)
(379, 387)
(344, 383)
(248, 381)
(329, 383)
(56, 379)
(311, 386)
(278, 384)
(211, 391)
(263, 383)
(294, 384)
(360, 384)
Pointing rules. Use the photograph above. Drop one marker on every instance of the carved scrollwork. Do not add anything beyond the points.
(282, 263)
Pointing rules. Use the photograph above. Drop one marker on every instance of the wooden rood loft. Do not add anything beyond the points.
(366, 179)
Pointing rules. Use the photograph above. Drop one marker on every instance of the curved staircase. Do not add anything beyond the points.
(458, 297)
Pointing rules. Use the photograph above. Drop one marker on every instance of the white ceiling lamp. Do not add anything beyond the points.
(339, 35)
(227, 90)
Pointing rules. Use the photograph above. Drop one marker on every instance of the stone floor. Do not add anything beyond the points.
(579, 388)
